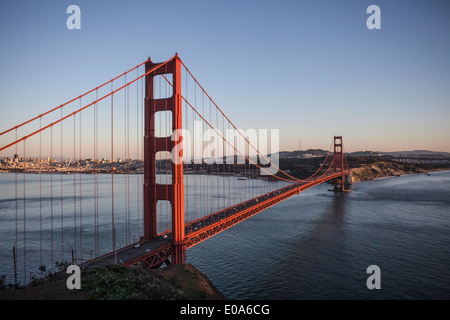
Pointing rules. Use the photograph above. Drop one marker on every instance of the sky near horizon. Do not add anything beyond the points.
(311, 69)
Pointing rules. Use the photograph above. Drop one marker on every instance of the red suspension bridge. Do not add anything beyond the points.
(136, 171)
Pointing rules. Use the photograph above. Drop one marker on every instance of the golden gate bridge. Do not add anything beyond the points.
(87, 206)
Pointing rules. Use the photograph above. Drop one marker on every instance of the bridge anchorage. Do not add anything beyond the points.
(201, 197)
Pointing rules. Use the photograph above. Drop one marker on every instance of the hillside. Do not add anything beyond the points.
(303, 154)
(383, 169)
(366, 167)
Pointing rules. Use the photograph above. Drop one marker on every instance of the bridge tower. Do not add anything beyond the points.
(339, 184)
(153, 191)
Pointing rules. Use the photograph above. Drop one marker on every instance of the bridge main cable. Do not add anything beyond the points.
(79, 110)
(70, 101)
(223, 138)
(229, 121)
(293, 179)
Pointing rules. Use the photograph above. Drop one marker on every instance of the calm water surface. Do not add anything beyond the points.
(317, 245)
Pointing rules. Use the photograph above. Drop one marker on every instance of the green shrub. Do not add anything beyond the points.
(114, 282)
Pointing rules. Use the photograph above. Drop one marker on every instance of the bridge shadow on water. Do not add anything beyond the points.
(312, 269)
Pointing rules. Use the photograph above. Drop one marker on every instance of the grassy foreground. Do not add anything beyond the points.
(114, 282)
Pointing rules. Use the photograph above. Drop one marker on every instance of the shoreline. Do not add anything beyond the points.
(380, 171)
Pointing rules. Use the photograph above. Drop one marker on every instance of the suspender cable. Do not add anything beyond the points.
(24, 216)
(139, 134)
(16, 195)
(128, 164)
(68, 102)
(75, 188)
(126, 159)
(186, 186)
(40, 195)
(85, 107)
(61, 176)
(137, 153)
(51, 198)
(113, 229)
(96, 177)
(80, 196)
(203, 118)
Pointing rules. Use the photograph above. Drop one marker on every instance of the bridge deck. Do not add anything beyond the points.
(158, 250)
(132, 252)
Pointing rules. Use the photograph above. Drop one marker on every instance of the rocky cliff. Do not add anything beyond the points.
(383, 169)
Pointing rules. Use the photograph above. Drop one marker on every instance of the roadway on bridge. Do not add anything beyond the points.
(141, 250)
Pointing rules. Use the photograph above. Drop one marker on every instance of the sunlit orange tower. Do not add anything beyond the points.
(153, 191)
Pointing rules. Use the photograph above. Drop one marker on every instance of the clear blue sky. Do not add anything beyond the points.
(309, 68)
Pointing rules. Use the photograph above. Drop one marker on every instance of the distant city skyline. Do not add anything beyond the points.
(311, 69)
